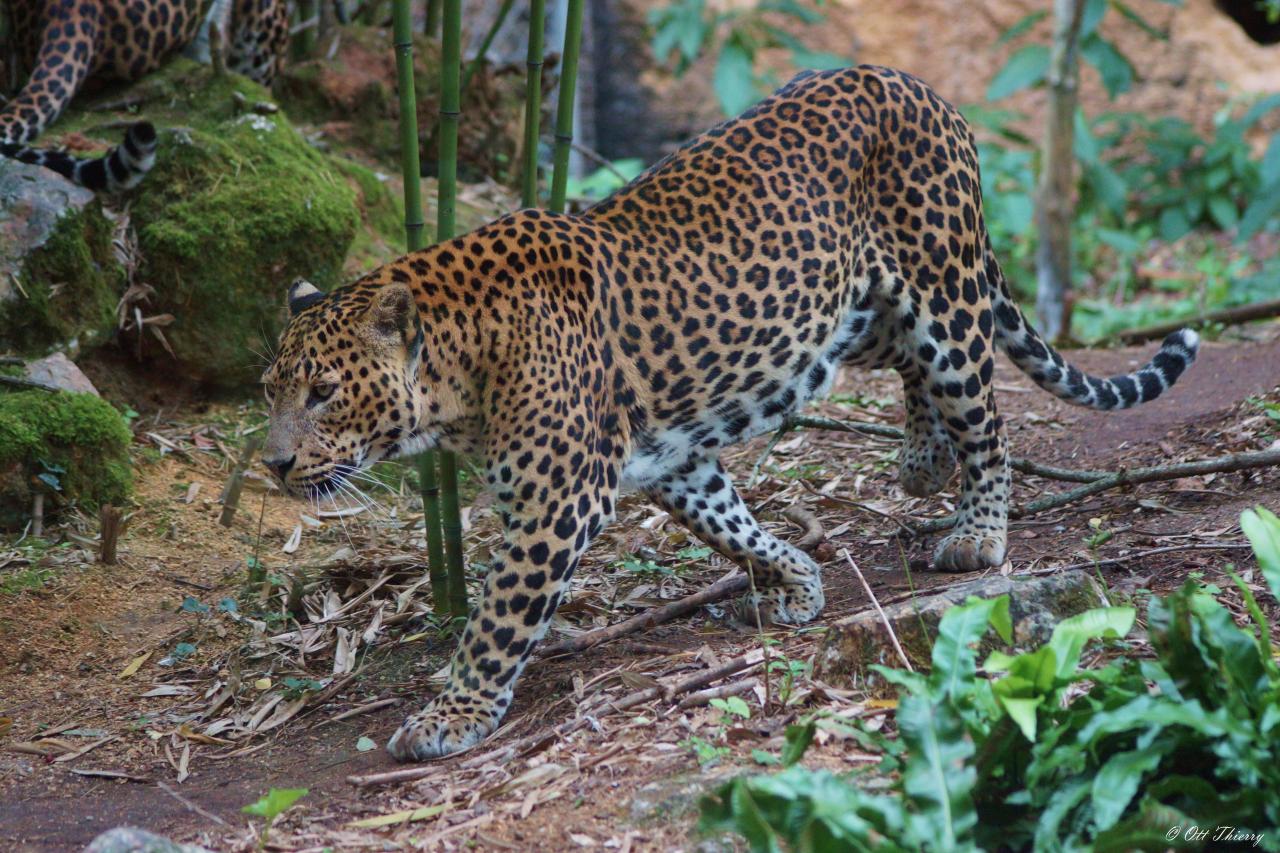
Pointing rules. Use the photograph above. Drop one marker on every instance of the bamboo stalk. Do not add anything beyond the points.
(304, 43)
(432, 27)
(533, 103)
(564, 106)
(474, 65)
(414, 240)
(446, 202)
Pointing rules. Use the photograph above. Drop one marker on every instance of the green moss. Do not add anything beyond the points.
(382, 212)
(237, 206)
(71, 285)
(80, 437)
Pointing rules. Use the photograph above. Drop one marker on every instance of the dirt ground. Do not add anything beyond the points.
(212, 737)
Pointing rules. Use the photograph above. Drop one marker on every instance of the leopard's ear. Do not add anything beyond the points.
(302, 295)
(393, 312)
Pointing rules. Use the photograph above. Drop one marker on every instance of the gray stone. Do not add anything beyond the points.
(60, 372)
(33, 200)
(128, 839)
(675, 798)
(1036, 604)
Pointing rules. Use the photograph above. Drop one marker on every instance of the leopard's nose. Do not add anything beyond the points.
(280, 467)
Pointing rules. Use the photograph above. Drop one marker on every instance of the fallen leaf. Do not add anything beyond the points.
(134, 665)
(365, 744)
(407, 816)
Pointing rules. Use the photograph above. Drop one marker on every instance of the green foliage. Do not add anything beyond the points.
(736, 35)
(605, 180)
(1028, 66)
(271, 805)
(1034, 751)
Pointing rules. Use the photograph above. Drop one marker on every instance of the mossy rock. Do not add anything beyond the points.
(79, 440)
(238, 205)
(59, 279)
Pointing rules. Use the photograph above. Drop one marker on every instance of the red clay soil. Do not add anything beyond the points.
(73, 638)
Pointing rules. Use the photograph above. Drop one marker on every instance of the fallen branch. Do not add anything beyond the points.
(730, 586)
(1228, 316)
(1152, 474)
(28, 384)
(702, 697)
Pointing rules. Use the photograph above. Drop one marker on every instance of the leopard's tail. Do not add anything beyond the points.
(1048, 369)
(120, 169)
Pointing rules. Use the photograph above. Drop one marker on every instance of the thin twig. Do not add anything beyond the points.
(193, 806)
(29, 384)
(883, 618)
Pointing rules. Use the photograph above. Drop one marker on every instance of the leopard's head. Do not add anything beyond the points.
(343, 390)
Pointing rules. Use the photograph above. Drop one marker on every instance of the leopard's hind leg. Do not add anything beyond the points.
(928, 455)
(701, 496)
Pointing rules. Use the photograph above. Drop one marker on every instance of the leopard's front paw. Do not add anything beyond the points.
(432, 732)
(787, 604)
(970, 552)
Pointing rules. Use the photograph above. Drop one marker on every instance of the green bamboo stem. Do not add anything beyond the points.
(415, 240)
(533, 103)
(446, 202)
(474, 65)
(304, 44)
(564, 106)
(432, 27)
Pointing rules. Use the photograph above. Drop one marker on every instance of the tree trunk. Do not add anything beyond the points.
(1054, 195)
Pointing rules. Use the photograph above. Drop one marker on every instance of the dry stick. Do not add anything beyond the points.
(18, 382)
(1152, 474)
(109, 527)
(883, 618)
(702, 697)
(1239, 314)
(193, 806)
(235, 484)
(718, 591)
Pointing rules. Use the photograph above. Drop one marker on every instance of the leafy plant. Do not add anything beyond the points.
(737, 35)
(271, 805)
(1049, 755)
(1029, 65)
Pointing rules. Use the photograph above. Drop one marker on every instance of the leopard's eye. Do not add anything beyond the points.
(268, 393)
(320, 392)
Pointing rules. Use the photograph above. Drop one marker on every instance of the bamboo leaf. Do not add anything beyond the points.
(734, 79)
(1026, 68)
(1114, 67)
(1020, 28)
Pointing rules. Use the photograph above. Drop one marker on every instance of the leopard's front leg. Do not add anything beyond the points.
(557, 494)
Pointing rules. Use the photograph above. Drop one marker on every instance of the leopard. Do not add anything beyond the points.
(581, 356)
(69, 42)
